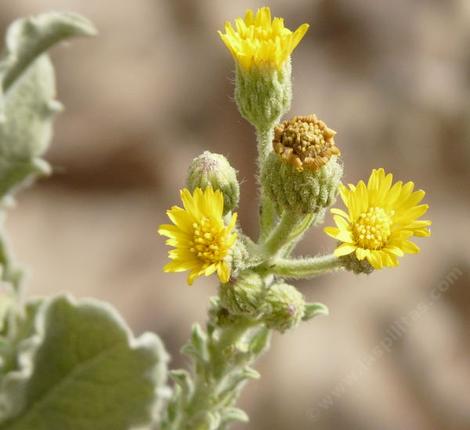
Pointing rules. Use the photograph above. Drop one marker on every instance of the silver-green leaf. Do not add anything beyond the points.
(27, 94)
(88, 371)
(313, 310)
(28, 38)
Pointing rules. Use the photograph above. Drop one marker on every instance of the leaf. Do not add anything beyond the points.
(28, 38)
(27, 93)
(313, 310)
(184, 381)
(196, 347)
(88, 371)
(17, 354)
(260, 341)
(26, 129)
(231, 414)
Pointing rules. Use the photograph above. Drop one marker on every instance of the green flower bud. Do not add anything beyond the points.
(303, 173)
(214, 170)
(353, 264)
(263, 95)
(301, 191)
(239, 255)
(243, 297)
(286, 307)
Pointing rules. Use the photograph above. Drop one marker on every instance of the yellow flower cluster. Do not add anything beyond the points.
(382, 217)
(261, 42)
(380, 221)
(201, 239)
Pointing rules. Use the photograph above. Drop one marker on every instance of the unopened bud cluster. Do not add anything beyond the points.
(280, 306)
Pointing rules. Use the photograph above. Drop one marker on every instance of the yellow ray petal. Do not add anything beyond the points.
(344, 249)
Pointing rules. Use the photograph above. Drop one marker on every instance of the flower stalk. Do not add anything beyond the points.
(284, 233)
(267, 212)
(221, 358)
(304, 268)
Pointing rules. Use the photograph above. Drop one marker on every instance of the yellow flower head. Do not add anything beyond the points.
(380, 221)
(259, 41)
(201, 239)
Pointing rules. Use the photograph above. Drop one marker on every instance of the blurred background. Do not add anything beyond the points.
(154, 90)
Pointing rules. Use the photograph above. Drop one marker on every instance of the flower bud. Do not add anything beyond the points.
(243, 297)
(263, 95)
(209, 169)
(286, 307)
(239, 255)
(303, 173)
(262, 48)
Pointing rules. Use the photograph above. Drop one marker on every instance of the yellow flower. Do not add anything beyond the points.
(381, 220)
(261, 42)
(201, 239)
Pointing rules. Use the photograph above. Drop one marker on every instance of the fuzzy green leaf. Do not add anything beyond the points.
(28, 38)
(313, 310)
(233, 414)
(27, 94)
(88, 371)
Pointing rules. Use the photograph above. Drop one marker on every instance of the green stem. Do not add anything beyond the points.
(307, 267)
(264, 138)
(219, 376)
(12, 298)
(290, 229)
(10, 273)
(298, 233)
(267, 210)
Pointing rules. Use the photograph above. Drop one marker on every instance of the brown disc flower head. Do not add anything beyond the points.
(305, 142)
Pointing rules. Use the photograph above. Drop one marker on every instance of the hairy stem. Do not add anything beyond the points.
(298, 233)
(10, 273)
(287, 232)
(218, 376)
(306, 267)
(264, 138)
(267, 211)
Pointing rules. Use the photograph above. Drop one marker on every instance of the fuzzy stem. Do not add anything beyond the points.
(290, 229)
(267, 211)
(307, 267)
(10, 273)
(298, 233)
(13, 275)
(219, 378)
(264, 137)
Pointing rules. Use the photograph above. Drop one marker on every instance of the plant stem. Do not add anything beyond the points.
(219, 377)
(10, 273)
(288, 231)
(307, 267)
(298, 233)
(267, 211)
(264, 139)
